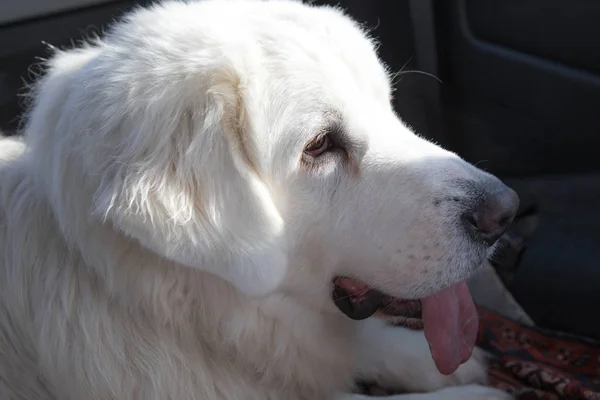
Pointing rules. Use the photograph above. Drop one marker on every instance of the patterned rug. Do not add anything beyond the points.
(533, 363)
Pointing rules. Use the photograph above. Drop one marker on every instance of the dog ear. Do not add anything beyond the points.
(163, 155)
(190, 192)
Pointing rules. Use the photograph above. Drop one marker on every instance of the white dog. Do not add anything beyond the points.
(200, 189)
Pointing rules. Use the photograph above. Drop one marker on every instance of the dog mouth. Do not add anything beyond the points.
(448, 317)
(358, 301)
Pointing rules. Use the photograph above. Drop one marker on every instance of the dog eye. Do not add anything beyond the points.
(318, 146)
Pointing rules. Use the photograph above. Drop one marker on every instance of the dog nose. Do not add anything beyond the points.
(493, 214)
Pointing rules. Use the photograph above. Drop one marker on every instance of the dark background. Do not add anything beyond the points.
(520, 98)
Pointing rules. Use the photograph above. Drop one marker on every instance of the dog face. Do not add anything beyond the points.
(256, 140)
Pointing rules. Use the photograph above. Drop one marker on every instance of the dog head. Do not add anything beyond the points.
(256, 141)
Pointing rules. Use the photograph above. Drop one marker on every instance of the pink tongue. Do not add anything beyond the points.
(451, 324)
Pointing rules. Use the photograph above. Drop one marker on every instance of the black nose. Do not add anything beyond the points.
(493, 214)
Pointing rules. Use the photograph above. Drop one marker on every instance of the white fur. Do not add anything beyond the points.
(162, 236)
(11, 148)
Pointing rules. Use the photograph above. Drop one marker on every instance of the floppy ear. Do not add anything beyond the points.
(186, 186)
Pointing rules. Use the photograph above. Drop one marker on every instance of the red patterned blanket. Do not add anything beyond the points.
(538, 364)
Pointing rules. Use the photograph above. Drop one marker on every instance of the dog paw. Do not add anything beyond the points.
(470, 392)
(473, 371)
(423, 376)
(401, 361)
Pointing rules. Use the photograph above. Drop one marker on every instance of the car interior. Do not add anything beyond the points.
(511, 86)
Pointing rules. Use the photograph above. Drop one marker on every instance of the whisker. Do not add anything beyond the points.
(355, 294)
(396, 74)
(416, 71)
